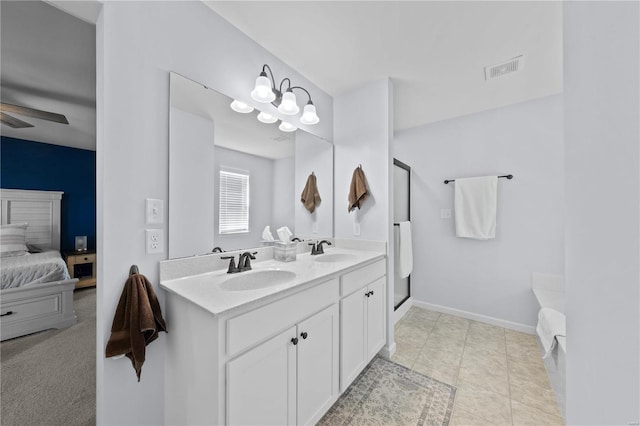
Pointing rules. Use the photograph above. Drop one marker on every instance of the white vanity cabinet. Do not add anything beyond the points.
(278, 359)
(290, 379)
(362, 319)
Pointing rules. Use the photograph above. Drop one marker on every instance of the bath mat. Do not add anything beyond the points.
(386, 393)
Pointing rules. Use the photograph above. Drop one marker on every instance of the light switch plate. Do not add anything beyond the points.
(154, 211)
(155, 241)
(314, 227)
(356, 228)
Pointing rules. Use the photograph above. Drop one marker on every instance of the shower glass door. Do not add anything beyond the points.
(401, 212)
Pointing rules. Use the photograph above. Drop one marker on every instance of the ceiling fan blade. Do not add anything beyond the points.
(13, 122)
(35, 113)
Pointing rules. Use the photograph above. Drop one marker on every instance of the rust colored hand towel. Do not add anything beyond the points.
(310, 196)
(136, 323)
(358, 191)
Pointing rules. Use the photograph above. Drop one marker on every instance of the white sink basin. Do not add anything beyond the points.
(254, 280)
(333, 257)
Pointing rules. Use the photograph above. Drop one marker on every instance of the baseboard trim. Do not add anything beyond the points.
(387, 351)
(476, 317)
(402, 310)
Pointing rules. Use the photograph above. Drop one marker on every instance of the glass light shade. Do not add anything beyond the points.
(262, 92)
(239, 106)
(288, 105)
(286, 127)
(267, 118)
(309, 115)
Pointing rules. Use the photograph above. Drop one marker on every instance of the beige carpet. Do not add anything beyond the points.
(49, 378)
(386, 393)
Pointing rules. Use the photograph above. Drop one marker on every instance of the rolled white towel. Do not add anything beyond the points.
(551, 324)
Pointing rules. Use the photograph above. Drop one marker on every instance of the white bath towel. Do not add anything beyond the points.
(404, 252)
(476, 201)
(551, 324)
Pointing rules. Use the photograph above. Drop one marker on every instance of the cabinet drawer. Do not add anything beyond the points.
(31, 309)
(363, 276)
(251, 328)
(80, 258)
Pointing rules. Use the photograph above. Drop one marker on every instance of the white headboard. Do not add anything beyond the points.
(40, 208)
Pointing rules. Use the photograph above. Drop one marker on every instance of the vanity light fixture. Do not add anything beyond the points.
(286, 127)
(265, 91)
(267, 118)
(239, 106)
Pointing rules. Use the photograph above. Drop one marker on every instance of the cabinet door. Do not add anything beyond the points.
(375, 317)
(317, 365)
(352, 337)
(261, 384)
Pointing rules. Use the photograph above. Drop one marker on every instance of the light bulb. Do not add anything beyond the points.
(288, 105)
(262, 92)
(309, 115)
(286, 127)
(239, 106)
(267, 118)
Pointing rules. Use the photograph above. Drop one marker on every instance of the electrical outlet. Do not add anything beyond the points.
(154, 211)
(314, 227)
(445, 213)
(356, 228)
(155, 241)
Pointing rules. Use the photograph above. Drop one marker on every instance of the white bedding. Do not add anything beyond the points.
(34, 268)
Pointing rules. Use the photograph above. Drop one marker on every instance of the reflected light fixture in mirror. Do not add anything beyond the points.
(265, 91)
(267, 118)
(286, 127)
(241, 107)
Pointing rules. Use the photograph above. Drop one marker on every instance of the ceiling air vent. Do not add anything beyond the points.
(507, 67)
(280, 138)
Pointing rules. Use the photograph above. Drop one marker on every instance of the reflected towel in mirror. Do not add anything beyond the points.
(310, 196)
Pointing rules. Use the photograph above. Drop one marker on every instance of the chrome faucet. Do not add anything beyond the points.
(244, 262)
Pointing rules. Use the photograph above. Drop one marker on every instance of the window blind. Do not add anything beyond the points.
(234, 203)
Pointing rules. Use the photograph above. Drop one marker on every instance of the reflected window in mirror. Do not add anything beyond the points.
(234, 202)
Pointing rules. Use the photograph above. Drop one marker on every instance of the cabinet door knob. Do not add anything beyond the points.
(294, 341)
(371, 292)
(304, 334)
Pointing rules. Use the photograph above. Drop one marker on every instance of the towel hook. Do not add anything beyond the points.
(133, 270)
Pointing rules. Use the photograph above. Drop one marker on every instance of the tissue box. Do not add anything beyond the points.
(285, 252)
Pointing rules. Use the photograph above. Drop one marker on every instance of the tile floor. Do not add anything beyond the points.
(499, 374)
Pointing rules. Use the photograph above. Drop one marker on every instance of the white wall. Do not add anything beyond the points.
(283, 203)
(489, 278)
(138, 44)
(192, 138)
(261, 200)
(602, 73)
(314, 155)
(363, 132)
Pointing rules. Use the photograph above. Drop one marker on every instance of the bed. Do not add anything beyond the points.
(37, 293)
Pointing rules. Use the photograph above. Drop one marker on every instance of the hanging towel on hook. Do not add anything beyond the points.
(358, 191)
(310, 196)
(404, 252)
(136, 323)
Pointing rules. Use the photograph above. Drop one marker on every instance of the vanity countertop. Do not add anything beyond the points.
(205, 289)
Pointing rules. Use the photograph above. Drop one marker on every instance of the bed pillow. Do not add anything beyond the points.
(13, 239)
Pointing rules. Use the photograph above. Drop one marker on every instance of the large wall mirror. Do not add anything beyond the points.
(220, 159)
